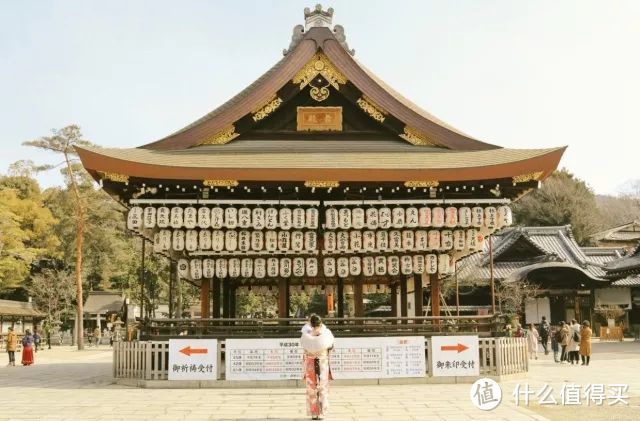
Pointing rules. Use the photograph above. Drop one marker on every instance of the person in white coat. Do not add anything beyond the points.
(532, 341)
(316, 344)
(574, 342)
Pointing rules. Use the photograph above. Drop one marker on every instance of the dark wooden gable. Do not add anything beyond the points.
(521, 249)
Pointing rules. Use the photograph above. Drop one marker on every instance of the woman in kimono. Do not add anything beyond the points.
(585, 342)
(532, 341)
(316, 344)
(27, 348)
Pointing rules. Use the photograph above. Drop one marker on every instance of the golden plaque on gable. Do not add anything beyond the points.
(320, 119)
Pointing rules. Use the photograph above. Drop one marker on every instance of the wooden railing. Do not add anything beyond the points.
(148, 360)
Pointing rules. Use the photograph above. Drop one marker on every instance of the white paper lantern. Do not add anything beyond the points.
(298, 217)
(183, 268)
(298, 267)
(437, 217)
(190, 217)
(221, 268)
(393, 265)
(134, 218)
(368, 266)
(285, 218)
(344, 218)
(490, 217)
(443, 264)
(459, 240)
(369, 240)
(231, 240)
(285, 267)
(343, 240)
(271, 240)
(408, 240)
(271, 218)
(257, 240)
(163, 217)
(297, 240)
(157, 243)
(311, 220)
(310, 241)
(418, 264)
(411, 217)
(284, 240)
(177, 217)
(231, 217)
(384, 218)
(395, 240)
(372, 218)
(244, 217)
(355, 266)
(311, 264)
(434, 239)
(381, 265)
(421, 240)
(165, 239)
(208, 268)
(273, 267)
(446, 240)
(331, 218)
(259, 268)
(246, 267)
(355, 240)
(149, 217)
(217, 217)
(357, 218)
(477, 217)
(382, 240)
(178, 240)
(406, 265)
(397, 217)
(451, 217)
(196, 268)
(217, 240)
(472, 239)
(244, 241)
(257, 218)
(343, 267)
(330, 240)
(505, 217)
(424, 216)
(464, 216)
(204, 217)
(329, 266)
(431, 263)
(191, 240)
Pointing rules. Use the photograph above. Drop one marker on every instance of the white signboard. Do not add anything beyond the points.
(193, 359)
(351, 358)
(455, 356)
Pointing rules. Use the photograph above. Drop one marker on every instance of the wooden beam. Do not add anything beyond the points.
(417, 294)
(204, 298)
(358, 302)
(215, 298)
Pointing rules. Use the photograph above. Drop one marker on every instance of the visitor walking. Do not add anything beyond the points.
(12, 346)
(36, 340)
(574, 341)
(27, 348)
(316, 345)
(532, 341)
(585, 342)
(545, 329)
(563, 338)
(555, 344)
(97, 335)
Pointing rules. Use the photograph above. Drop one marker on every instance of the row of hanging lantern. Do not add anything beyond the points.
(344, 267)
(217, 217)
(298, 267)
(395, 240)
(234, 241)
(412, 217)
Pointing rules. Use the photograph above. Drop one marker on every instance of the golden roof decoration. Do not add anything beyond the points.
(319, 65)
(523, 178)
(416, 137)
(223, 136)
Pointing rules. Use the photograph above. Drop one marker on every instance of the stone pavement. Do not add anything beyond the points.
(67, 384)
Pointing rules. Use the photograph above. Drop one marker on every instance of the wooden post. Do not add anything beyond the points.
(493, 288)
(340, 298)
(216, 298)
(434, 281)
(455, 274)
(232, 301)
(403, 297)
(394, 299)
(172, 279)
(283, 298)
(204, 298)
(141, 282)
(358, 302)
(225, 298)
(417, 294)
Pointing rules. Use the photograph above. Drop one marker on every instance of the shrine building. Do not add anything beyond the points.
(319, 175)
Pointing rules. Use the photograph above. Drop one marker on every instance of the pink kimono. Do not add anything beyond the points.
(316, 370)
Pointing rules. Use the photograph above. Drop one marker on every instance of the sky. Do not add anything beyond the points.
(519, 74)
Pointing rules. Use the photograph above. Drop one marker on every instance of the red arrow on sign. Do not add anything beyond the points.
(188, 350)
(460, 347)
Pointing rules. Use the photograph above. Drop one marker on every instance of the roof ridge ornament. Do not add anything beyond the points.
(317, 18)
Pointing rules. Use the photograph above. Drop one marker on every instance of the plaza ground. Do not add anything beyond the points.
(66, 384)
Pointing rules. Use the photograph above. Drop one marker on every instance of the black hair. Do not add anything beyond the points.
(315, 320)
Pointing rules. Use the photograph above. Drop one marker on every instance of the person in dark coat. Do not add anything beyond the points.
(544, 331)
